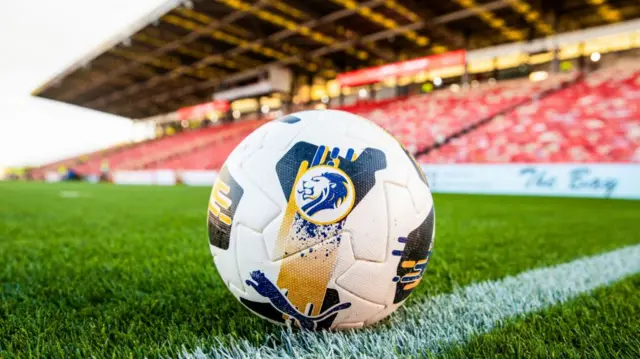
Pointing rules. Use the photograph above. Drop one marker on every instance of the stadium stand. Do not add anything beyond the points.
(422, 120)
(216, 141)
(417, 121)
(171, 70)
(595, 120)
(67, 163)
(210, 154)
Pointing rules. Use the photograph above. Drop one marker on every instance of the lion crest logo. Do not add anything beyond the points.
(324, 195)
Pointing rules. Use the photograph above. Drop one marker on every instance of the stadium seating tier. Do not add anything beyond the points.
(595, 118)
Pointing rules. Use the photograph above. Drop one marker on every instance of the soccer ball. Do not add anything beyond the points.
(321, 219)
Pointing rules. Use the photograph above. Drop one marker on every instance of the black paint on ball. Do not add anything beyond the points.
(416, 249)
(416, 166)
(220, 232)
(264, 309)
(331, 298)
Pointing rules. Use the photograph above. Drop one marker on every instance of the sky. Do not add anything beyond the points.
(39, 39)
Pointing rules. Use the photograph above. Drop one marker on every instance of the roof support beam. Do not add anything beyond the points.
(253, 72)
(425, 15)
(198, 49)
(492, 20)
(607, 12)
(249, 44)
(281, 21)
(531, 15)
(439, 20)
(329, 18)
(283, 34)
(277, 37)
(242, 46)
(465, 13)
(381, 20)
(191, 37)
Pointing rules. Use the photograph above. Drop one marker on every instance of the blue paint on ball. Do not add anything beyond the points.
(289, 119)
(264, 287)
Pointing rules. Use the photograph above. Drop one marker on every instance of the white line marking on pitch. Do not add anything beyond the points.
(69, 194)
(435, 324)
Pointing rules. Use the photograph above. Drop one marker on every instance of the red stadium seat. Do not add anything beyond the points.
(423, 120)
(595, 120)
(181, 151)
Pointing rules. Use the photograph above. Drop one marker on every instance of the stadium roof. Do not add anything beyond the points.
(186, 50)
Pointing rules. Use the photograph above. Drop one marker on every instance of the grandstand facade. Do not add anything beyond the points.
(456, 82)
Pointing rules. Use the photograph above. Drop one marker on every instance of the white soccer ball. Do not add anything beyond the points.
(321, 219)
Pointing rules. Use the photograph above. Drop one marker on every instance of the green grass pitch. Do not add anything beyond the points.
(116, 271)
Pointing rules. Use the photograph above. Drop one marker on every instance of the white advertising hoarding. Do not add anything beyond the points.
(52, 177)
(159, 177)
(198, 178)
(564, 180)
(568, 180)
